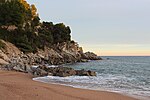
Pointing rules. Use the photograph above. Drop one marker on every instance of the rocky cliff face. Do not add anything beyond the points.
(58, 54)
(66, 53)
(11, 58)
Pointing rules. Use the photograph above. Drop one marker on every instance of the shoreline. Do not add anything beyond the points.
(137, 97)
(20, 86)
(100, 90)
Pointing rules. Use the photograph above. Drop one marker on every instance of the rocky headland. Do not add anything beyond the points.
(11, 58)
(25, 41)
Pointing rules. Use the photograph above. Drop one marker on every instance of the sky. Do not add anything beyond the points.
(106, 27)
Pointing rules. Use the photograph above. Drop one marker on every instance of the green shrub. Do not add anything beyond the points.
(28, 37)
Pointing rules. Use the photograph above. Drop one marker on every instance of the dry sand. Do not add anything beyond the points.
(20, 86)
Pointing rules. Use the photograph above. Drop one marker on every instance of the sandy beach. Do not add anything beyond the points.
(20, 86)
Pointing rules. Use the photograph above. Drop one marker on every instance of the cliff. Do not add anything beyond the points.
(11, 58)
(66, 52)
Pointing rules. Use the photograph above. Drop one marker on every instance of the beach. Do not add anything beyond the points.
(20, 86)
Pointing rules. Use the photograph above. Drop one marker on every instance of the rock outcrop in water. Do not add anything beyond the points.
(61, 71)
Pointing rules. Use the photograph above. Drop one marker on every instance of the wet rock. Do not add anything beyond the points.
(85, 73)
(44, 67)
(83, 60)
(91, 73)
(58, 71)
(90, 56)
(40, 72)
(62, 71)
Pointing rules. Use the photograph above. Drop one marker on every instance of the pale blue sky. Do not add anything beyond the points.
(107, 27)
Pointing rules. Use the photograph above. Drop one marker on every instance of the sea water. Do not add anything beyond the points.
(126, 75)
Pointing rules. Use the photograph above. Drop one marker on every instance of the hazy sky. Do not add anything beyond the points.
(107, 27)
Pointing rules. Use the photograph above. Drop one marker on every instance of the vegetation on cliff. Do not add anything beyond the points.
(20, 25)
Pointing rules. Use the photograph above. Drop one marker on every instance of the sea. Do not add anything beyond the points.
(128, 75)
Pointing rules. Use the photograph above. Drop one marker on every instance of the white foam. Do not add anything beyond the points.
(107, 83)
(52, 66)
(34, 66)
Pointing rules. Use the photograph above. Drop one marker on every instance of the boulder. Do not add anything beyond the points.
(85, 73)
(91, 73)
(58, 71)
(62, 71)
(20, 67)
(4, 59)
(3, 62)
(40, 72)
(44, 67)
(10, 49)
(4, 56)
(90, 56)
(83, 60)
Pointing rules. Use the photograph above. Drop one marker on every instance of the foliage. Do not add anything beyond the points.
(61, 33)
(12, 13)
(30, 34)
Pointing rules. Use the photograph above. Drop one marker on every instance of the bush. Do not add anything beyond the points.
(28, 37)
(12, 13)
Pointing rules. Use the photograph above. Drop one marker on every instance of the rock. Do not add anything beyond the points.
(4, 59)
(3, 62)
(44, 67)
(58, 71)
(40, 72)
(10, 49)
(51, 56)
(83, 60)
(85, 73)
(4, 56)
(82, 73)
(16, 68)
(41, 56)
(61, 53)
(90, 56)
(20, 67)
(91, 73)
(50, 74)
(62, 71)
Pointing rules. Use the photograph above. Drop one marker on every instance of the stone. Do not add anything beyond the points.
(92, 73)
(90, 56)
(58, 71)
(44, 67)
(83, 60)
(16, 68)
(41, 56)
(63, 71)
(85, 73)
(3, 62)
(40, 72)
(67, 52)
